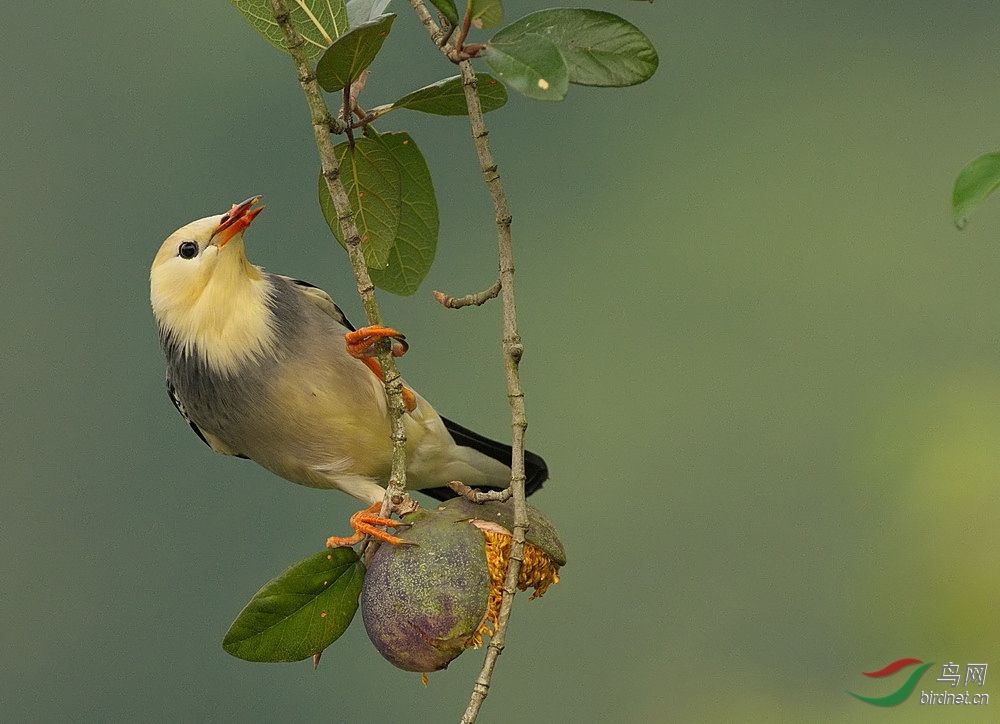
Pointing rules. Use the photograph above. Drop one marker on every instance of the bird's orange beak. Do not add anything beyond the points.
(235, 220)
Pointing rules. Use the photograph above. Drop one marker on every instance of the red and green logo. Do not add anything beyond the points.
(900, 694)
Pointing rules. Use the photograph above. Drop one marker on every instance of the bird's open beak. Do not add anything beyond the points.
(236, 220)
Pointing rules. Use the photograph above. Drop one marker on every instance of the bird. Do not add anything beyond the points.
(267, 367)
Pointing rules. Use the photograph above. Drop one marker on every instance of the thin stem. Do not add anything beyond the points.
(466, 26)
(477, 298)
(453, 47)
(323, 123)
(348, 116)
(479, 496)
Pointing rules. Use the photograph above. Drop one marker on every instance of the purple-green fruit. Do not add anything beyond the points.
(426, 602)
(421, 603)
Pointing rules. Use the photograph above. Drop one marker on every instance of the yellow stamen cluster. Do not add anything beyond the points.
(538, 571)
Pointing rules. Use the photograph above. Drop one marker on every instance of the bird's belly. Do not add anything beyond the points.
(337, 435)
(295, 426)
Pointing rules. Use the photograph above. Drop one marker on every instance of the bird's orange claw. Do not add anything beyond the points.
(364, 522)
(360, 341)
(359, 345)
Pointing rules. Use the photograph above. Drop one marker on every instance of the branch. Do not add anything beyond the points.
(439, 36)
(444, 39)
(477, 299)
(512, 349)
(479, 496)
(323, 123)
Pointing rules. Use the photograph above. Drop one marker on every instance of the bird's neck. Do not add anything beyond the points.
(229, 324)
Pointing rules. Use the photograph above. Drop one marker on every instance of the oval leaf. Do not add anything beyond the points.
(320, 22)
(412, 251)
(530, 64)
(354, 51)
(486, 14)
(302, 611)
(974, 184)
(600, 48)
(371, 178)
(447, 98)
(447, 8)
(363, 11)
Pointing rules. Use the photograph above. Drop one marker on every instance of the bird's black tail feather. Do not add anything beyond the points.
(536, 471)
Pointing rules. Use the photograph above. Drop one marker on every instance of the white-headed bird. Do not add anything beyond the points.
(268, 368)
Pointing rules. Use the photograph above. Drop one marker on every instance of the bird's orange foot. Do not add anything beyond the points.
(360, 341)
(359, 345)
(364, 522)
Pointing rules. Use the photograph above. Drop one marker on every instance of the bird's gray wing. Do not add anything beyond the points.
(218, 446)
(321, 299)
(536, 471)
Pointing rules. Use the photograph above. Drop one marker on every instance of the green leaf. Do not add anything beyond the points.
(371, 177)
(448, 9)
(486, 14)
(600, 48)
(390, 189)
(412, 251)
(974, 184)
(301, 612)
(530, 64)
(320, 22)
(446, 97)
(354, 51)
(363, 11)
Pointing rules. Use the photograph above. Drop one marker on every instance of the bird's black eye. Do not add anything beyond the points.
(187, 250)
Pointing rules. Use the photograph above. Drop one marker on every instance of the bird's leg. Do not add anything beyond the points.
(359, 345)
(364, 522)
(409, 398)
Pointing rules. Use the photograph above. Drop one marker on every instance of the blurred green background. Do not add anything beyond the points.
(762, 364)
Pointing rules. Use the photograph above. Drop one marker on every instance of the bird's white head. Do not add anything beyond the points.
(206, 296)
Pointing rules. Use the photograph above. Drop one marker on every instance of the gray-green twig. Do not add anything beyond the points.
(323, 123)
(475, 299)
(513, 350)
